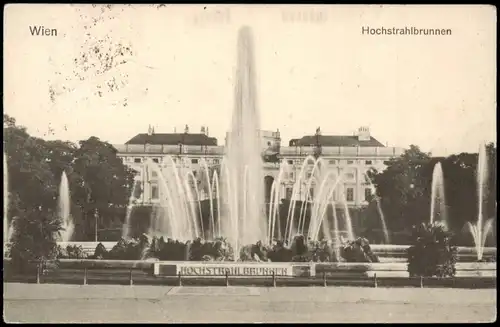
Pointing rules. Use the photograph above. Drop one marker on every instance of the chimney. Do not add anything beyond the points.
(186, 129)
(150, 130)
(202, 131)
(364, 133)
(175, 130)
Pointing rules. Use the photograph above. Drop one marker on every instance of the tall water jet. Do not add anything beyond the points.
(481, 228)
(245, 221)
(64, 209)
(6, 232)
(438, 203)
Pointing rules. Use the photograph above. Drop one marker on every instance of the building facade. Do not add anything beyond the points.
(351, 156)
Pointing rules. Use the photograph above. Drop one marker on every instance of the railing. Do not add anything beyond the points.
(131, 276)
(328, 151)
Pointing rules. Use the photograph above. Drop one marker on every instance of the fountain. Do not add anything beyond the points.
(481, 228)
(438, 204)
(6, 232)
(64, 207)
(238, 191)
(128, 214)
(242, 178)
(379, 209)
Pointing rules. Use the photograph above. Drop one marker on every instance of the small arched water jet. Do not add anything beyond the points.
(347, 216)
(131, 203)
(379, 209)
(320, 198)
(210, 186)
(323, 206)
(316, 164)
(297, 187)
(215, 185)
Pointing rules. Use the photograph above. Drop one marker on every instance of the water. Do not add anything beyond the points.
(64, 207)
(237, 190)
(6, 231)
(128, 214)
(242, 179)
(379, 210)
(482, 227)
(438, 202)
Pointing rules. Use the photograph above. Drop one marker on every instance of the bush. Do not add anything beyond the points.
(133, 249)
(280, 253)
(71, 252)
(431, 254)
(34, 239)
(220, 250)
(358, 251)
(100, 252)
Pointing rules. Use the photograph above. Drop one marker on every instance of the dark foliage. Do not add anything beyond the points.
(431, 254)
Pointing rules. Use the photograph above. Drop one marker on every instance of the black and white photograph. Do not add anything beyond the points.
(190, 163)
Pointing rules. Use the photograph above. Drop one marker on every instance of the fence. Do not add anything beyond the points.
(133, 276)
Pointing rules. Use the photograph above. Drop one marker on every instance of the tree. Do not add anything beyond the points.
(32, 196)
(461, 187)
(403, 188)
(102, 184)
(98, 178)
(31, 180)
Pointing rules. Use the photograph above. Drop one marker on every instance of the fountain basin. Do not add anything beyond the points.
(201, 270)
(386, 252)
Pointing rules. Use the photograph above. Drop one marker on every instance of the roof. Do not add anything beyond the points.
(335, 140)
(173, 139)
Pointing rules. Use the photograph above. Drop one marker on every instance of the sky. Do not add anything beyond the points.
(314, 68)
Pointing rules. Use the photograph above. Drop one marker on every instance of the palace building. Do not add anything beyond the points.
(349, 155)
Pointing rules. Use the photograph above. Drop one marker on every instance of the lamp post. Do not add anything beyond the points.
(96, 216)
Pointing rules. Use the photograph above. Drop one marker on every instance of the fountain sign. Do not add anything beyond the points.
(222, 269)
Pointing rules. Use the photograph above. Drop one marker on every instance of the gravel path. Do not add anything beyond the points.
(112, 303)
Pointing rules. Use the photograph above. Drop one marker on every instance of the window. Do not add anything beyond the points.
(154, 192)
(137, 160)
(368, 194)
(194, 161)
(290, 175)
(349, 176)
(194, 173)
(289, 193)
(156, 160)
(331, 162)
(350, 194)
(368, 162)
(154, 174)
(216, 161)
(309, 174)
(290, 162)
(350, 162)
